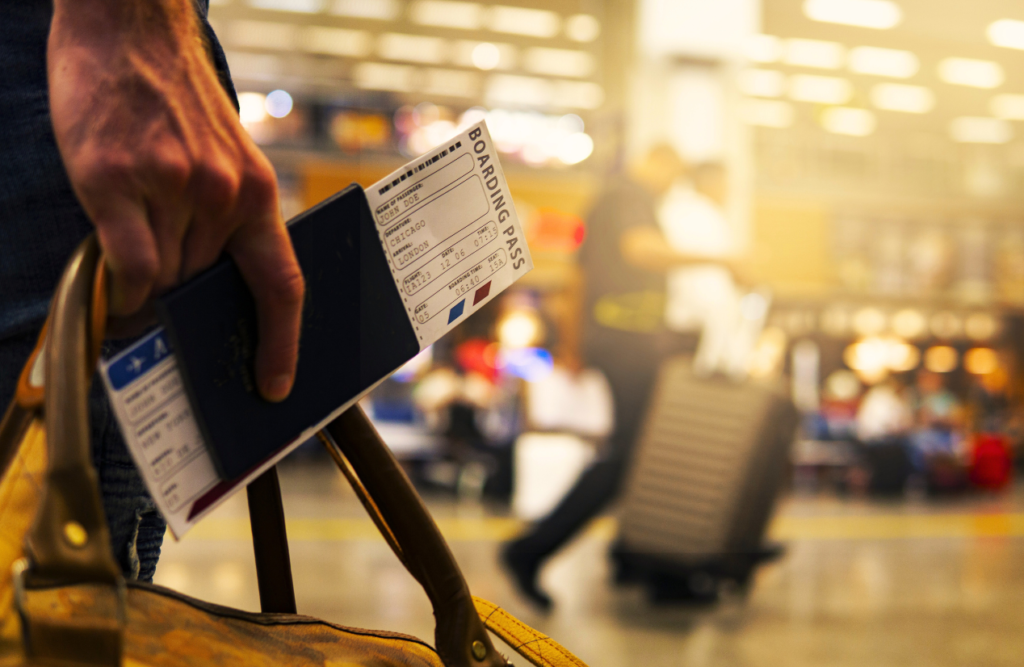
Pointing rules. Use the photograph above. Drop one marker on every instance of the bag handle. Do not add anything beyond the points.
(69, 540)
(459, 635)
(398, 512)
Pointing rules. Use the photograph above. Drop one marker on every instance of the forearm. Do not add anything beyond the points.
(164, 28)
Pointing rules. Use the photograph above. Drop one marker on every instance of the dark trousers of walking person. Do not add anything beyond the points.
(630, 362)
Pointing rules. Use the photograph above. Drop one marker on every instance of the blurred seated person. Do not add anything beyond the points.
(884, 420)
(939, 419)
(624, 258)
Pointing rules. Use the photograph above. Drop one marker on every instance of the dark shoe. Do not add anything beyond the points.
(524, 569)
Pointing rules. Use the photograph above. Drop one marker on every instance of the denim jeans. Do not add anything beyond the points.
(41, 222)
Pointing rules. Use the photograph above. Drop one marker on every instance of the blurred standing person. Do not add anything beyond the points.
(624, 259)
(118, 116)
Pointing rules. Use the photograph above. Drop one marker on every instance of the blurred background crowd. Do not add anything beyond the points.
(847, 173)
(856, 158)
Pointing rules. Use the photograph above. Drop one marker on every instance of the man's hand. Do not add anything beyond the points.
(159, 161)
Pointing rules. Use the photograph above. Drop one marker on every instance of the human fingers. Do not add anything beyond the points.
(263, 253)
(131, 254)
(215, 186)
(164, 174)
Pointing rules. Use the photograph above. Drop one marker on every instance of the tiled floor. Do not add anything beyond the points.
(903, 584)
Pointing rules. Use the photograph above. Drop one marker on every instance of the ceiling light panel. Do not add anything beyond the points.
(378, 10)
(447, 14)
(877, 14)
(267, 35)
(819, 89)
(904, 98)
(558, 62)
(849, 121)
(1007, 33)
(254, 65)
(876, 61)
(336, 41)
(582, 28)
(814, 53)
(450, 82)
(1008, 107)
(467, 54)
(298, 6)
(412, 48)
(382, 76)
(765, 48)
(523, 21)
(762, 83)
(971, 72)
(980, 130)
(767, 113)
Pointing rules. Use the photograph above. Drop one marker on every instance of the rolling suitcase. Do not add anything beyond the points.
(709, 463)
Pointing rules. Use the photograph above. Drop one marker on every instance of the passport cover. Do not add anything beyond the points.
(354, 333)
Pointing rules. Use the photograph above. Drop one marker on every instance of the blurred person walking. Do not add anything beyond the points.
(625, 258)
(120, 116)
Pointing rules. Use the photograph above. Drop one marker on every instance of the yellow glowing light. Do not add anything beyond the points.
(582, 28)
(903, 357)
(820, 89)
(842, 385)
(876, 14)
(520, 328)
(875, 356)
(876, 61)
(1007, 33)
(575, 148)
(447, 14)
(815, 53)
(981, 361)
(486, 56)
(769, 353)
(868, 322)
(945, 324)
(765, 49)
(981, 326)
(972, 73)
(849, 121)
(941, 359)
(900, 97)
(909, 323)
(980, 130)
(252, 107)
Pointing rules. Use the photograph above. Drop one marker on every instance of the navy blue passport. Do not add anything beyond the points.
(354, 332)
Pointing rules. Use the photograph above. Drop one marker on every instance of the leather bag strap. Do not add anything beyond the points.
(459, 635)
(536, 647)
(70, 539)
(69, 542)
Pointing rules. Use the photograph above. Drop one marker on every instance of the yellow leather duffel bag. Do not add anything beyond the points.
(63, 600)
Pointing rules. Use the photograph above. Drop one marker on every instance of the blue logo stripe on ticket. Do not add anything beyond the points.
(139, 358)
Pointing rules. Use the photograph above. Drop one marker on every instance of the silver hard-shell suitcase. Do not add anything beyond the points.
(710, 460)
